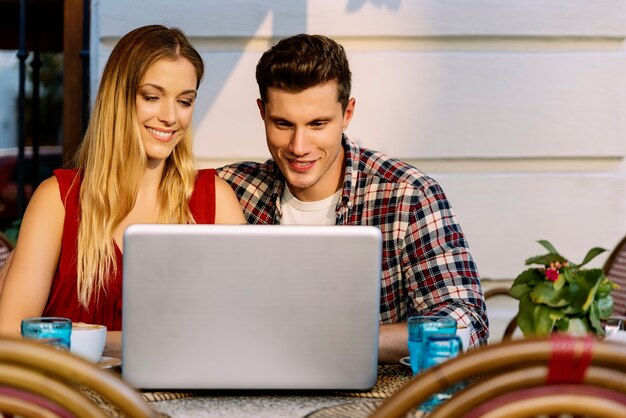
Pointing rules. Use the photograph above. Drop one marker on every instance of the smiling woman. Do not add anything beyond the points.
(135, 165)
(165, 103)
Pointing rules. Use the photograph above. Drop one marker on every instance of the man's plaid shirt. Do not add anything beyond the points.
(427, 268)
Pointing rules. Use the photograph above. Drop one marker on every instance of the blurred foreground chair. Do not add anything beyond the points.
(615, 270)
(39, 381)
(524, 377)
(512, 325)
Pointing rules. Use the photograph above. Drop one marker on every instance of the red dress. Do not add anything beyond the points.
(106, 307)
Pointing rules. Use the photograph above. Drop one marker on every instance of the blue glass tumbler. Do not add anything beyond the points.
(437, 349)
(420, 327)
(52, 331)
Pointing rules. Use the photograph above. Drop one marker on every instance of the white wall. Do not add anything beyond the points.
(517, 108)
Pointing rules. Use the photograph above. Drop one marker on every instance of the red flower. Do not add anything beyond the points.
(552, 274)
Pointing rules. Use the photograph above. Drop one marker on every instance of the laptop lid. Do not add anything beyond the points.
(251, 306)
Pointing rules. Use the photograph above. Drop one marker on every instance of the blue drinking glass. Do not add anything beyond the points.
(437, 349)
(52, 331)
(420, 327)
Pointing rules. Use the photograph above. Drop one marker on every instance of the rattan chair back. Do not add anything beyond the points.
(6, 246)
(509, 366)
(63, 379)
(615, 270)
(578, 400)
(512, 324)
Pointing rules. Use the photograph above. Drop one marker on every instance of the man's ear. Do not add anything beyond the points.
(261, 107)
(347, 115)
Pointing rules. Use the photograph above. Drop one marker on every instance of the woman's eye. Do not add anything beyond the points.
(149, 98)
(185, 103)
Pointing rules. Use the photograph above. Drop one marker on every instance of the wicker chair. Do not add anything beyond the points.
(509, 371)
(615, 270)
(6, 246)
(35, 378)
(539, 401)
(512, 325)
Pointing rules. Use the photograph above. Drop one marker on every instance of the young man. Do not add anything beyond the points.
(318, 176)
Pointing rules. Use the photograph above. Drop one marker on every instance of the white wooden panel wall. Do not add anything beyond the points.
(517, 108)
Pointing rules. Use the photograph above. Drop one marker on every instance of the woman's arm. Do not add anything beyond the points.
(35, 258)
(227, 209)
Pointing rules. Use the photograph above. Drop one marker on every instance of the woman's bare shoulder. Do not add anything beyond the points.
(47, 197)
(227, 206)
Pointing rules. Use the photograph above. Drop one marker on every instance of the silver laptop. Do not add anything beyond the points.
(251, 306)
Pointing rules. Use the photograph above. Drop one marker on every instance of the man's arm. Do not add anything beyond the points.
(392, 342)
(441, 276)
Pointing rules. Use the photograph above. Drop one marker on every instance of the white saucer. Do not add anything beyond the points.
(109, 362)
(406, 361)
(618, 336)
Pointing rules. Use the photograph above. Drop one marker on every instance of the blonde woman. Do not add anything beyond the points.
(135, 165)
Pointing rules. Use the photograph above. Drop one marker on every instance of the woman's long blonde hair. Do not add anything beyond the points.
(112, 159)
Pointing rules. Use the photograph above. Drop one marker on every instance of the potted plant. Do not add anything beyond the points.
(559, 295)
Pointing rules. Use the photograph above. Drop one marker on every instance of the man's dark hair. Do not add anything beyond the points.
(303, 61)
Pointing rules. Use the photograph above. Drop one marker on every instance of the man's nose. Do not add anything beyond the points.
(298, 143)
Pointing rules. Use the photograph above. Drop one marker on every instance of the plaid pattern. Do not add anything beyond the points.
(427, 268)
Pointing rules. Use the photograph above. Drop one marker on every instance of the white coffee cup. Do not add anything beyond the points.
(463, 333)
(88, 340)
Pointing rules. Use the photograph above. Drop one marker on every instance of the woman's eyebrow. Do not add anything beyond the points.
(162, 90)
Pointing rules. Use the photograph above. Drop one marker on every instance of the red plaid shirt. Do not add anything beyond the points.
(427, 268)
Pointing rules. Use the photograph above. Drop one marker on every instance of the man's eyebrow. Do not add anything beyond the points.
(275, 118)
(321, 119)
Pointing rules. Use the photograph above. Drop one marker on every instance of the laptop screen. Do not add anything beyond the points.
(251, 306)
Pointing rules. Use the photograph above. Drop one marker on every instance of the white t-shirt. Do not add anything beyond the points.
(297, 212)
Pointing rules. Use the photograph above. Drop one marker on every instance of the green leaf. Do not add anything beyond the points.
(546, 244)
(592, 278)
(545, 293)
(562, 324)
(594, 319)
(531, 276)
(569, 274)
(578, 326)
(573, 309)
(591, 254)
(583, 287)
(560, 282)
(536, 319)
(518, 291)
(545, 260)
(605, 288)
(604, 306)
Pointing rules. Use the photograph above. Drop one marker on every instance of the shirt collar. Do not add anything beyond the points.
(351, 156)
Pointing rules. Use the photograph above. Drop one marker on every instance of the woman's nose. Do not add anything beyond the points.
(167, 113)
